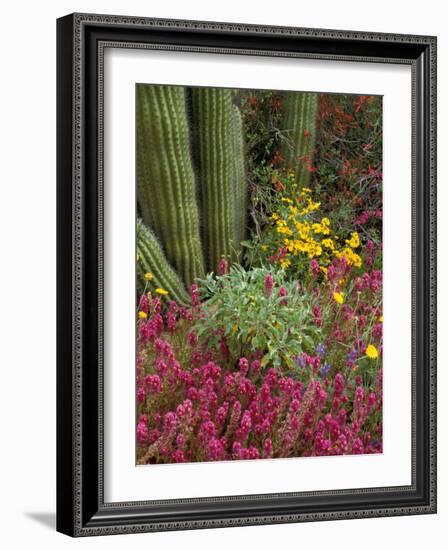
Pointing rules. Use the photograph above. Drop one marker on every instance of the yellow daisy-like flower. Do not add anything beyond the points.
(142, 315)
(328, 243)
(148, 276)
(354, 240)
(338, 297)
(162, 291)
(371, 352)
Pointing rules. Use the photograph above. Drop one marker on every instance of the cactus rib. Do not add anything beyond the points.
(166, 184)
(299, 126)
(212, 110)
(151, 258)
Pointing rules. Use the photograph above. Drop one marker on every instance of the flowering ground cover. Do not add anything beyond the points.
(259, 261)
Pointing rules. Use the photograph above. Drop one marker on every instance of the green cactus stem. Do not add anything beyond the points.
(239, 177)
(152, 259)
(213, 118)
(299, 130)
(165, 179)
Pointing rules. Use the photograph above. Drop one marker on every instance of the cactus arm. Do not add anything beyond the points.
(212, 111)
(152, 259)
(299, 126)
(239, 177)
(165, 180)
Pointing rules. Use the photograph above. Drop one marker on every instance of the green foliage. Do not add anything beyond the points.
(166, 183)
(298, 127)
(348, 158)
(252, 319)
(151, 259)
(261, 113)
(221, 175)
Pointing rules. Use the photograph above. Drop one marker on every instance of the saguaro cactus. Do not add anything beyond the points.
(166, 184)
(213, 117)
(239, 177)
(152, 259)
(299, 128)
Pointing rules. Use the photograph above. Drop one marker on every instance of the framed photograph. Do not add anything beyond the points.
(246, 274)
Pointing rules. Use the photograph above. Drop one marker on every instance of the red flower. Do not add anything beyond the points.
(278, 158)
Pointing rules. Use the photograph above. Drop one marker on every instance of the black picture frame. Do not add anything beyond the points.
(81, 510)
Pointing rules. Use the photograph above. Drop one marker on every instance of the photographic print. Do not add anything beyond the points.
(225, 259)
(258, 274)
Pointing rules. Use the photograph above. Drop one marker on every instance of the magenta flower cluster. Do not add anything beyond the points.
(208, 413)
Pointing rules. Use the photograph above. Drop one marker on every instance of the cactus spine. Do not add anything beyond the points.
(299, 126)
(151, 258)
(212, 111)
(166, 184)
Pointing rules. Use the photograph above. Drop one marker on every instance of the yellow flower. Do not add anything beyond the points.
(338, 297)
(328, 243)
(311, 207)
(351, 257)
(162, 291)
(293, 210)
(354, 240)
(142, 315)
(371, 352)
(148, 276)
(380, 319)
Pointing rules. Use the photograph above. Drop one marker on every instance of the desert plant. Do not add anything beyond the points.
(258, 311)
(221, 177)
(298, 125)
(153, 270)
(239, 177)
(209, 413)
(166, 183)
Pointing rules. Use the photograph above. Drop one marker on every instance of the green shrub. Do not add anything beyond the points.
(274, 321)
